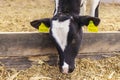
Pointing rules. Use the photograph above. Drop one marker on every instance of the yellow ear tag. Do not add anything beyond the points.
(92, 27)
(43, 28)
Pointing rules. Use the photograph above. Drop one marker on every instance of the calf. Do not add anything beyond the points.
(66, 31)
(94, 6)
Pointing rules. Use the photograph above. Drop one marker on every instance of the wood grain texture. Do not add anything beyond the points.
(31, 44)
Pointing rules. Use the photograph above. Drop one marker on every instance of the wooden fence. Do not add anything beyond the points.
(30, 44)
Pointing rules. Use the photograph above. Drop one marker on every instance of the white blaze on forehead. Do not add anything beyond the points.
(60, 32)
(65, 67)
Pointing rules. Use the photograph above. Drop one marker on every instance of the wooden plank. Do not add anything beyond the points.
(22, 63)
(30, 44)
(101, 42)
(19, 63)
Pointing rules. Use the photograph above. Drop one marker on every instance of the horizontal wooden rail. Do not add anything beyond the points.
(30, 44)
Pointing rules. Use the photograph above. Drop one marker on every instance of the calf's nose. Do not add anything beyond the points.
(66, 70)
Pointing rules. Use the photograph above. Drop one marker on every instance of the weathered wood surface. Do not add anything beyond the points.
(22, 63)
(30, 44)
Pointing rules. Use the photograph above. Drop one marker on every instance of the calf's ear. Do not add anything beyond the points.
(84, 20)
(37, 23)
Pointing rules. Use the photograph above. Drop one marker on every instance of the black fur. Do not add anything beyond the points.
(37, 23)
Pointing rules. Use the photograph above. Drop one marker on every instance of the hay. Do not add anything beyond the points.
(86, 69)
(17, 14)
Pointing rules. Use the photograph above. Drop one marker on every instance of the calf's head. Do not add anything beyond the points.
(66, 32)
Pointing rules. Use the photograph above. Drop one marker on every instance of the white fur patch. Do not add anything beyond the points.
(94, 5)
(56, 6)
(60, 32)
(65, 67)
(83, 7)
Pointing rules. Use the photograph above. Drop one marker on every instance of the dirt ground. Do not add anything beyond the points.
(15, 15)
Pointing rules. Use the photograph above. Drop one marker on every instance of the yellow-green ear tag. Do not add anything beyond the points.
(43, 28)
(92, 27)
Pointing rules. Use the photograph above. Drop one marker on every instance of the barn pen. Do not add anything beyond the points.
(26, 58)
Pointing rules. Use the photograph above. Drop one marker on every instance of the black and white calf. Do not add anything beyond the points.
(66, 31)
(94, 7)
